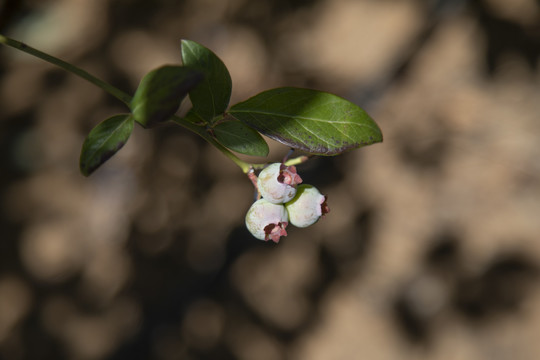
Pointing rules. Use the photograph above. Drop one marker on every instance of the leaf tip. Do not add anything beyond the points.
(84, 172)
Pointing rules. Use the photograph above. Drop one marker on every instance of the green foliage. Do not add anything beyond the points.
(312, 121)
(240, 138)
(104, 141)
(160, 93)
(211, 97)
(315, 122)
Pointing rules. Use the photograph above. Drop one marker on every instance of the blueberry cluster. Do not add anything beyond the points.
(283, 201)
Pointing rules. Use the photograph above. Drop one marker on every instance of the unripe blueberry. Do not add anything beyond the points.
(307, 206)
(267, 221)
(277, 183)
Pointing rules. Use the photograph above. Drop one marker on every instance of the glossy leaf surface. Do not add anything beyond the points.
(160, 93)
(104, 141)
(309, 120)
(211, 97)
(241, 138)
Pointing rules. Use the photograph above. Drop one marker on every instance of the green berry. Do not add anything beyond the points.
(307, 207)
(267, 221)
(277, 183)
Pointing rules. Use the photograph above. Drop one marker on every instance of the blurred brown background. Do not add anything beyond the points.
(431, 249)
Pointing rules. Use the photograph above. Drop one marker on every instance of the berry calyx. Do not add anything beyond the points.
(277, 183)
(267, 221)
(288, 175)
(307, 207)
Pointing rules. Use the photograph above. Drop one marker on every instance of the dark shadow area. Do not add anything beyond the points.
(505, 37)
(420, 303)
(499, 290)
(446, 286)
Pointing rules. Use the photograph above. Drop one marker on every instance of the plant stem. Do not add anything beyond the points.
(201, 131)
(117, 93)
(126, 99)
(245, 166)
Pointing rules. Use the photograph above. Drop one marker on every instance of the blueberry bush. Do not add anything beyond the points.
(310, 121)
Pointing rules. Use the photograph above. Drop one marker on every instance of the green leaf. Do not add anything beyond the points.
(312, 121)
(104, 141)
(241, 138)
(211, 97)
(194, 118)
(160, 93)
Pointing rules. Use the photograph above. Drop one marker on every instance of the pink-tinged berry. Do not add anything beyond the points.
(277, 183)
(307, 206)
(267, 221)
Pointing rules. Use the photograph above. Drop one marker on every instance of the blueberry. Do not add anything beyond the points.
(267, 221)
(307, 207)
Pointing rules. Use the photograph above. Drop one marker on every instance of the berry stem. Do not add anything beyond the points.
(288, 155)
(297, 160)
(251, 175)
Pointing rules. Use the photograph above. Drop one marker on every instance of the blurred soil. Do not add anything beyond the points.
(431, 249)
